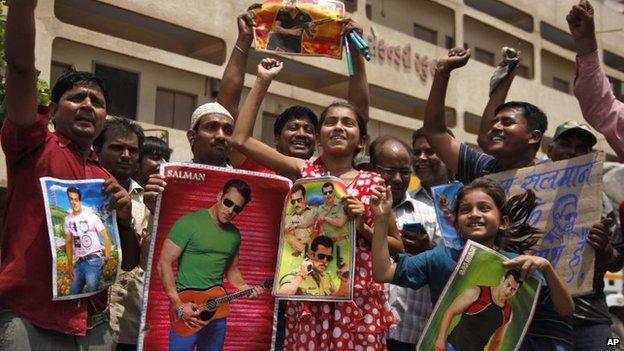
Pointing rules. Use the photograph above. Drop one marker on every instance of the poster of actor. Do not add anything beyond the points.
(212, 260)
(84, 239)
(484, 306)
(316, 245)
(304, 27)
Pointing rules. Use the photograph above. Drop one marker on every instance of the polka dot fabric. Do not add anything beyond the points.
(360, 324)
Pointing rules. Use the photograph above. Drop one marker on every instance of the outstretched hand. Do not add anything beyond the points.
(269, 68)
(528, 264)
(455, 58)
(381, 201)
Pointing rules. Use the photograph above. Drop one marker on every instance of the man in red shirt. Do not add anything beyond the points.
(29, 319)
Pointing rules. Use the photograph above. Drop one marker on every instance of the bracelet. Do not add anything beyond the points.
(239, 49)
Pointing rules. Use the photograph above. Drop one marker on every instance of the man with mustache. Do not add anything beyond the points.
(205, 244)
(312, 278)
(118, 149)
(29, 319)
(299, 224)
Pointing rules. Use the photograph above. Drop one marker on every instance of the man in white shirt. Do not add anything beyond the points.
(392, 159)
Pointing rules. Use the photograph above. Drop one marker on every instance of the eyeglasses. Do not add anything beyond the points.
(324, 257)
(229, 203)
(404, 172)
(328, 192)
(295, 201)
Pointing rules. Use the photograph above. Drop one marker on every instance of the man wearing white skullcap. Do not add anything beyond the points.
(209, 134)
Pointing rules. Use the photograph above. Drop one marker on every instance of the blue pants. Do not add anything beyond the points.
(209, 338)
(86, 271)
(449, 347)
(592, 337)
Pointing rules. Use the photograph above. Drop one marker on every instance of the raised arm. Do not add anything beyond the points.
(591, 87)
(21, 81)
(242, 138)
(358, 94)
(434, 127)
(497, 98)
(381, 205)
(234, 75)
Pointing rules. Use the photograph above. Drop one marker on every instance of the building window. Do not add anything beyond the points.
(56, 70)
(523, 71)
(449, 42)
(174, 109)
(426, 34)
(484, 56)
(561, 85)
(123, 90)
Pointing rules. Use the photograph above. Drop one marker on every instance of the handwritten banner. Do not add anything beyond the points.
(569, 202)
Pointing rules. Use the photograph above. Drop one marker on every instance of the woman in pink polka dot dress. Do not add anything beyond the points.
(360, 324)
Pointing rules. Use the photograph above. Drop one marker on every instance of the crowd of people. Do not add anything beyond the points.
(399, 274)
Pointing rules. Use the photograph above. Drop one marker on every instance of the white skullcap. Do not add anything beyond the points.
(206, 109)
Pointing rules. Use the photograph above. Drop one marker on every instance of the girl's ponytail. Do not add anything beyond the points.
(520, 236)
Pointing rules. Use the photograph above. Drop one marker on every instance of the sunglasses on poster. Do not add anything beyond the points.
(324, 257)
(296, 200)
(229, 203)
(328, 192)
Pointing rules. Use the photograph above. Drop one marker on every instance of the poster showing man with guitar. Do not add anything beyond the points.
(206, 246)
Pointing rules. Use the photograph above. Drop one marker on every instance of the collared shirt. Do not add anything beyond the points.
(125, 295)
(473, 164)
(599, 106)
(412, 307)
(335, 212)
(302, 234)
(324, 286)
(25, 272)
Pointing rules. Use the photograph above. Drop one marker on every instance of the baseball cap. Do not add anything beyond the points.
(206, 109)
(582, 128)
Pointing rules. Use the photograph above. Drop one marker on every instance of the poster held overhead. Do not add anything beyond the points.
(300, 27)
